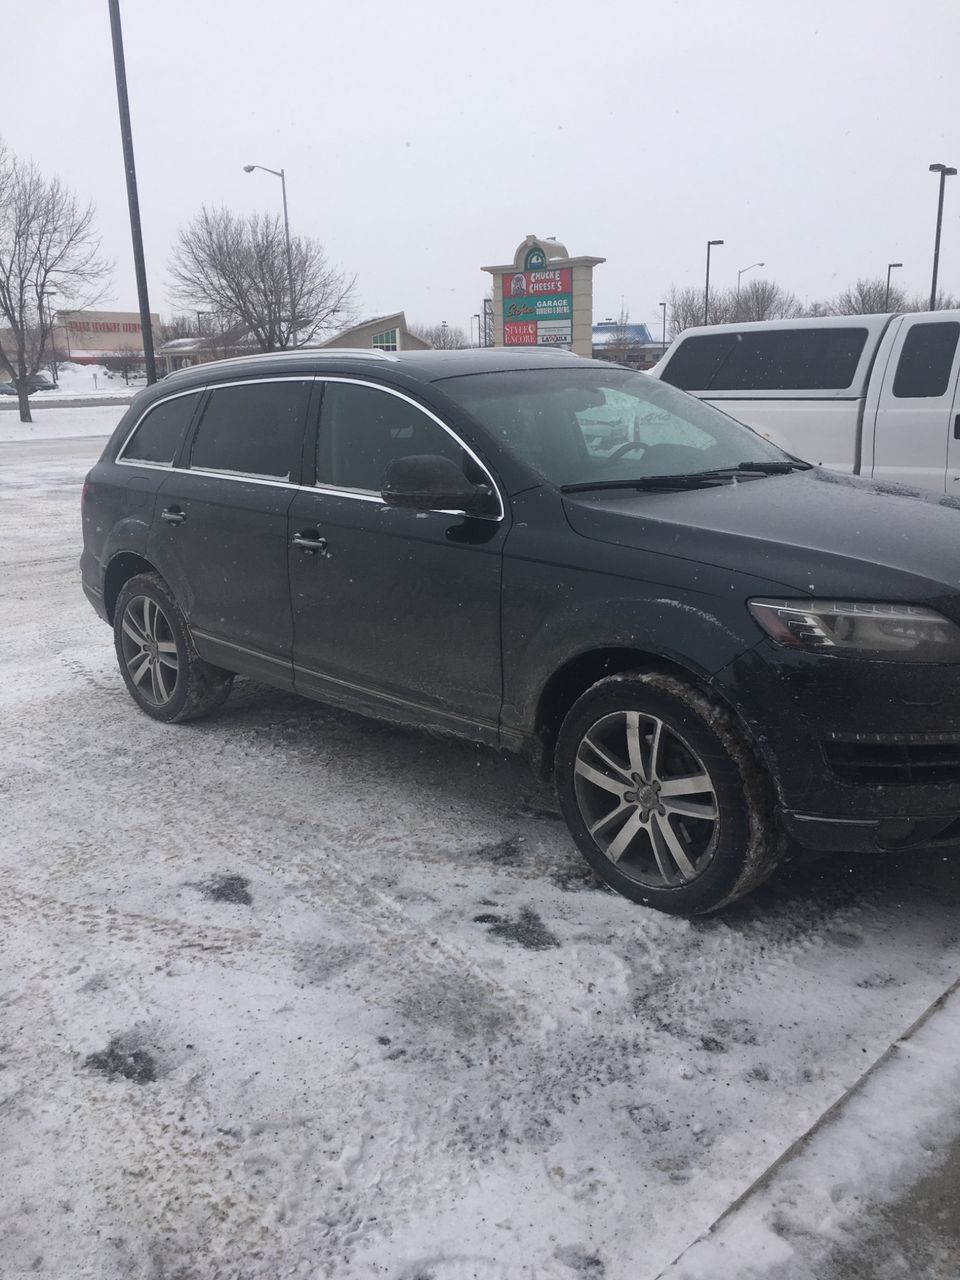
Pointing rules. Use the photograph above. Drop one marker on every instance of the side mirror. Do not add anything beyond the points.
(429, 482)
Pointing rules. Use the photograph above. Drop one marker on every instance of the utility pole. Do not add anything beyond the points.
(944, 172)
(706, 287)
(886, 296)
(126, 136)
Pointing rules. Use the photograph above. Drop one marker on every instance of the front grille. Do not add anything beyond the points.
(896, 762)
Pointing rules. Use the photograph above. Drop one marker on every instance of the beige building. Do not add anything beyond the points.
(382, 333)
(88, 337)
(544, 298)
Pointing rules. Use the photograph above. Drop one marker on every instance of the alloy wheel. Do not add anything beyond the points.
(149, 650)
(646, 799)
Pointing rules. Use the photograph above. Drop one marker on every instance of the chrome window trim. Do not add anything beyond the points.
(209, 386)
(240, 476)
(358, 495)
(367, 495)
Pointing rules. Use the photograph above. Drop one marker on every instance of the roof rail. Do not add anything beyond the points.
(303, 353)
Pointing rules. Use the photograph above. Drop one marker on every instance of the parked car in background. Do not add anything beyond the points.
(713, 648)
(872, 395)
(38, 382)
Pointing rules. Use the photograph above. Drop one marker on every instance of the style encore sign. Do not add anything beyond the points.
(538, 307)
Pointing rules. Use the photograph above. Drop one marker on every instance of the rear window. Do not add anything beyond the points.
(767, 360)
(926, 360)
(253, 429)
(158, 436)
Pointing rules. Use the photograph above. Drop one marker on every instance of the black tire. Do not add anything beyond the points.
(171, 684)
(684, 856)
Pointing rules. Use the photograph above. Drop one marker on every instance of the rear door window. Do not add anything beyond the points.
(253, 429)
(157, 438)
(923, 371)
(822, 359)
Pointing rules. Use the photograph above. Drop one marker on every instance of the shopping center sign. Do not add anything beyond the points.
(543, 297)
(538, 307)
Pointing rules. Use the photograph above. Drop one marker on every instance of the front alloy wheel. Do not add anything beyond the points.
(647, 798)
(663, 795)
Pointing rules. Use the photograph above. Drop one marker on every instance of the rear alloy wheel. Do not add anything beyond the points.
(663, 796)
(149, 650)
(158, 660)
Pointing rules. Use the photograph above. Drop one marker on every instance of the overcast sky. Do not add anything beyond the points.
(423, 138)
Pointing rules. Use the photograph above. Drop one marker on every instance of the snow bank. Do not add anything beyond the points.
(51, 423)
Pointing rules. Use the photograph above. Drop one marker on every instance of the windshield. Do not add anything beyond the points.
(575, 426)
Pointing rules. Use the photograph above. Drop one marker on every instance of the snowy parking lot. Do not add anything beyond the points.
(288, 993)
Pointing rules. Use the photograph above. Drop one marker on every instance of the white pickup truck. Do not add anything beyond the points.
(875, 395)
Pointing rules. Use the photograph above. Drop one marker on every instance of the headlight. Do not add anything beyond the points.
(884, 632)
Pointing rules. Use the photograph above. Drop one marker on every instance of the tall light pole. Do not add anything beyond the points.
(50, 295)
(706, 287)
(743, 271)
(945, 172)
(663, 308)
(886, 296)
(133, 200)
(476, 317)
(279, 173)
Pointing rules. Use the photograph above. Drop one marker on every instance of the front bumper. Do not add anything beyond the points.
(884, 835)
(863, 755)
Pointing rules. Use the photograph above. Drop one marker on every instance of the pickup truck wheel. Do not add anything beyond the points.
(663, 795)
(161, 668)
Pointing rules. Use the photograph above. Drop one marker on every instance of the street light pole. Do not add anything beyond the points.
(886, 296)
(281, 174)
(476, 316)
(706, 287)
(743, 271)
(945, 172)
(133, 200)
(663, 308)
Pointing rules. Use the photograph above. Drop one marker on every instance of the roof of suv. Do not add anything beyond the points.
(425, 365)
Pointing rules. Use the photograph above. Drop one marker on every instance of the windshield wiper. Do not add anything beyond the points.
(689, 480)
(693, 479)
(774, 468)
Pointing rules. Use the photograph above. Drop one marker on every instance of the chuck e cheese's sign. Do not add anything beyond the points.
(538, 307)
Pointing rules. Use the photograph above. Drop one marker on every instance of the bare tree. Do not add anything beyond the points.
(757, 300)
(685, 308)
(237, 268)
(765, 300)
(867, 298)
(47, 246)
(183, 325)
(921, 302)
(443, 337)
(125, 361)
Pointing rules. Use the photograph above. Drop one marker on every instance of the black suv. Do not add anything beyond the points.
(718, 651)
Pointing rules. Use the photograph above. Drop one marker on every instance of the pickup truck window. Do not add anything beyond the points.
(926, 360)
(821, 359)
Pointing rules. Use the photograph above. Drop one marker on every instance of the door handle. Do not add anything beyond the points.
(309, 542)
(173, 515)
(956, 427)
